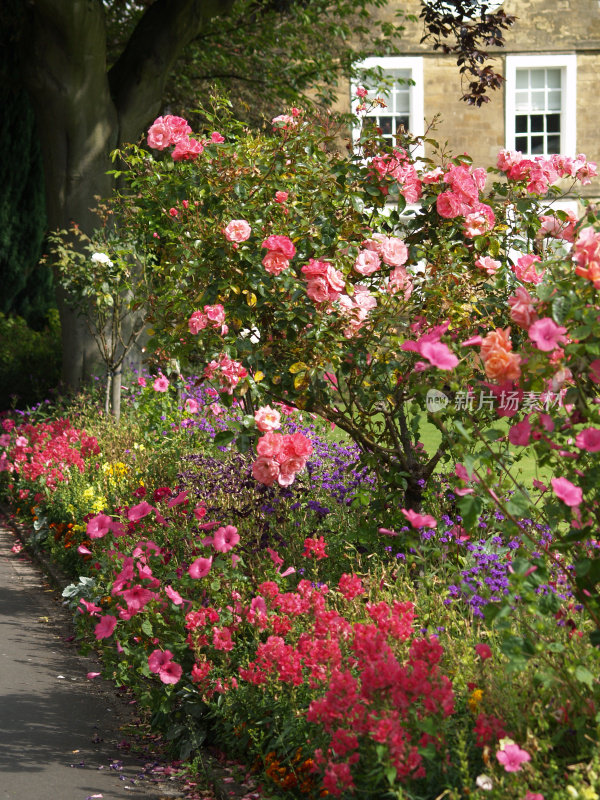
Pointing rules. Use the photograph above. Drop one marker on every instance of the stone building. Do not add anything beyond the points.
(549, 102)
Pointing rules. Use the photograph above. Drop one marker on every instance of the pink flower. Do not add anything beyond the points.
(141, 381)
(216, 138)
(98, 526)
(438, 354)
(225, 539)
(588, 439)
(159, 135)
(161, 384)
(191, 406)
(361, 91)
(161, 663)
(238, 230)
(136, 513)
(200, 567)
(533, 796)
(419, 520)
(197, 322)
(546, 334)
(265, 470)
(281, 197)
(173, 595)
(489, 265)
(215, 315)
(393, 251)
(570, 494)
(367, 262)
(269, 445)
(525, 269)
(280, 244)
(522, 308)
(520, 433)
(483, 651)
(105, 627)
(511, 757)
(267, 419)
(275, 263)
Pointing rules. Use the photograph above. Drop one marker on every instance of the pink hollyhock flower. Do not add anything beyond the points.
(546, 334)
(161, 384)
(280, 244)
(191, 406)
(98, 526)
(141, 381)
(200, 511)
(419, 520)
(275, 263)
(520, 433)
(238, 230)
(367, 262)
(438, 354)
(225, 539)
(161, 663)
(483, 651)
(588, 439)
(511, 757)
(200, 567)
(136, 513)
(173, 595)
(267, 419)
(487, 264)
(281, 197)
(566, 491)
(105, 627)
(533, 796)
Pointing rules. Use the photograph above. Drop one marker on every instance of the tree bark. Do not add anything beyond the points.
(84, 112)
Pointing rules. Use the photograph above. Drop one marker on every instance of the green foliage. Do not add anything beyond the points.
(29, 361)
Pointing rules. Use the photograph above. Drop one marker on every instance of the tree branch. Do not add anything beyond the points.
(137, 79)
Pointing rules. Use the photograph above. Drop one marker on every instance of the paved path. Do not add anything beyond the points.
(59, 731)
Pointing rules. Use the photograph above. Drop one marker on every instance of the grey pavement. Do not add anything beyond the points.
(60, 733)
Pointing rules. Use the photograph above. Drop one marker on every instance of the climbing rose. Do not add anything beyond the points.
(238, 230)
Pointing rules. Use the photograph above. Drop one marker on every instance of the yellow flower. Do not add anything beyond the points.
(474, 700)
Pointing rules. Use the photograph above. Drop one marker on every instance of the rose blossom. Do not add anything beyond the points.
(265, 470)
(197, 322)
(522, 308)
(238, 230)
(275, 263)
(161, 384)
(280, 244)
(488, 264)
(393, 251)
(367, 262)
(267, 419)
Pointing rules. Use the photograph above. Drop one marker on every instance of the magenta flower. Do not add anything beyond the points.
(225, 539)
(160, 663)
(161, 384)
(546, 334)
(511, 757)
(105, 627)
(136, 513)
(98, 526)
(483, 651)
(438, 354)
(173, 595)
(200, 567)
(588, 439)
(419, 520)
(566, 491)
(520, 433)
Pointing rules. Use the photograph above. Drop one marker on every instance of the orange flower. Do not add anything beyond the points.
(500, 363)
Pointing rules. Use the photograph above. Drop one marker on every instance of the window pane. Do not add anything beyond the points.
(553, 144)
(538, 78)
(554, 101)
(553, 78)
(385, 123)
(404, 122)
(538, 101)
(521, 123)
(521, 143)
(537, 123)
(553, 123)
(402, 101)
(537, 145)
(522, 79)
(522, 101)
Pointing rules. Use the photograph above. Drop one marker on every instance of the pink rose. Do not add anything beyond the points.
(280, 244)
(367, 262)
(238, 230)
(489, 265)
(159, 135)
(318, 290)
(448, 205)
(161, 384)
(197, 322)
(216, 138)
(275, 263)
(191, 406)
(269, 445)
(394, 252)
(178, 127)
(215, 314)
(265, 470)
(522, 308)
(288, 470)
(281, 197)
(267, 419)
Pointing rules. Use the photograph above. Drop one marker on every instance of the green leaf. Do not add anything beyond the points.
(224, 438)
(147, 627)
(584, 675)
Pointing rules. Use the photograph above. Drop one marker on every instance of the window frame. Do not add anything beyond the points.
(567, 63)
(416, 91)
